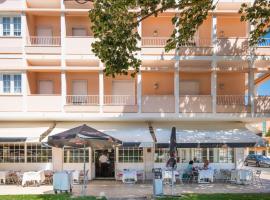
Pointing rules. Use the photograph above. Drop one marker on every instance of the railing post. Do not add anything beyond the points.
(176, 86)
(63, 89)
(139, 91)
(251, 88)
(214, 87)
(101, 87)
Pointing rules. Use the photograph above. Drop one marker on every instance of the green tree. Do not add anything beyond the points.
(115, 27)
(267, 134)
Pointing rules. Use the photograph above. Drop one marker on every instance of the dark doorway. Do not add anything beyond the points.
(104, 163)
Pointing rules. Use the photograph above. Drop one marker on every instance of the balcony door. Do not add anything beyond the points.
(79, 91)
(45, 87)
(44, 36)
(123, 92)
(189, 88)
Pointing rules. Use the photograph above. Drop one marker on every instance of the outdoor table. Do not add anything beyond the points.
(167, 174)
(241, 176)
(3, 175)
(38, 177)
(129, 176)
(206, 176)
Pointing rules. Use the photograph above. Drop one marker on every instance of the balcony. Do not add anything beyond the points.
(262, 104)
(120, 103)
(43, 45)
(232, 104)
(232, 46)
(44, 103)
(158, 104)
(195, 104)
(82, 103)
(155, 45)
(79, 45)
(263, 47)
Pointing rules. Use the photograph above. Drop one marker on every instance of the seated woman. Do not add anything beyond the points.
(190, 171)
(206, 165)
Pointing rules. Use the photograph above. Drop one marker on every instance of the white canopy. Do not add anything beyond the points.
(206, 134)
(22, 131)
(130, 133)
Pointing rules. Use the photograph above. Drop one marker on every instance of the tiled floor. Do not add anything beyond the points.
(113, 189)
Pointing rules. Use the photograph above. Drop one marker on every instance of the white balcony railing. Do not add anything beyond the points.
(120, 100)
(264, 43)
(43, 41)
(240, 100)
(195, 103)
(262, 104)
(162, 41)
(82, 100)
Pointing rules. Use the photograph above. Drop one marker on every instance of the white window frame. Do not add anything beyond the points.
(77, 155)
(128, 158)
(16, 159)
(12, 88)
(12, 28)
(42, 158)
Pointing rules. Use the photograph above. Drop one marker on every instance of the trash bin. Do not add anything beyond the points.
(62, 182)
(157, 182)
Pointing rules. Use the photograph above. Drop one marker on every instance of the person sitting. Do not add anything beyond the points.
(206, 165)
(190, 171)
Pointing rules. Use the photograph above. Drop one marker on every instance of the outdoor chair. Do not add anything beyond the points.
(225, 175)
(81, 178)
(256, 178)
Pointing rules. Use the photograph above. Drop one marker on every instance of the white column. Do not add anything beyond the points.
(176, 86)
(57, 159)
(24, 90)
(63, 39)
(214, 34)
(63, 89)
(214, 87)
(139, 91)
(24, 73)
(101, 87)
(251, 88)
(62, 4)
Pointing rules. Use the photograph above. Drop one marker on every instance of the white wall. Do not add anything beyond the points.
(24, 167)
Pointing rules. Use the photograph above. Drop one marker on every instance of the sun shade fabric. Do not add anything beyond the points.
(83, 135)
(22, 131)
(132, 134)
(206, 134)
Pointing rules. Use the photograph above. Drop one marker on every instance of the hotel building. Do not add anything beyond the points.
(51, 81)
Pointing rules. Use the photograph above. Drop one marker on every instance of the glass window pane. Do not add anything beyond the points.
(6, 26)
(17, 83)
(17, 26)
(6, 83)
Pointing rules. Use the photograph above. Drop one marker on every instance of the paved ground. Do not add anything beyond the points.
(113, 189)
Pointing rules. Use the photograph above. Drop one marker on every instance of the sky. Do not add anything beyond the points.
(264, 89)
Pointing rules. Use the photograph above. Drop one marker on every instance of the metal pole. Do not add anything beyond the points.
(84, 172)
(172, 193)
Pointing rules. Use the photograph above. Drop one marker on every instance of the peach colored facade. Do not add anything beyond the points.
(55, 46)
(49, 73)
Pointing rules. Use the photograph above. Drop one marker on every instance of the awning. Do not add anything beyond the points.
(132, 134)
(22, 132)
(206, 134)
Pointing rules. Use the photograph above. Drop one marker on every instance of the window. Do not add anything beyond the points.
(17, 26)
(79, 32)
(226, 155)
(162, 155)
(130, 155)
(12, 153)
(12, 83)
(6, 26)
(197, 156)
(6, 83)
(73, 155)
(17, 83)
(38, 154)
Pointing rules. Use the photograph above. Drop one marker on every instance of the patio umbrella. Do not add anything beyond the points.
(173, 144)
(82, 137)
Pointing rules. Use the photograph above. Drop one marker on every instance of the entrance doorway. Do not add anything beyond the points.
(105, 169)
